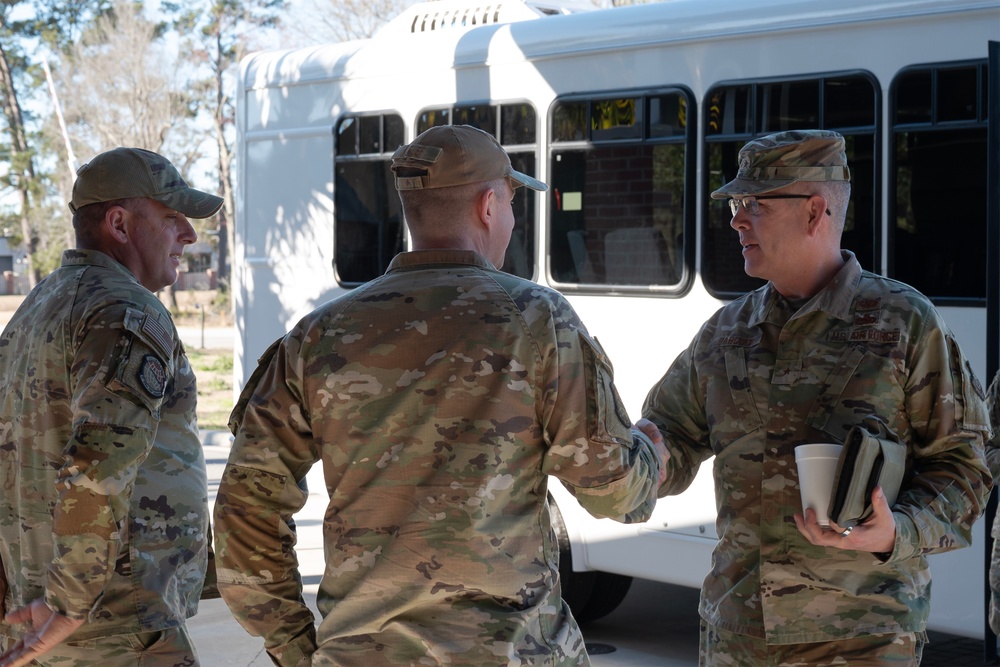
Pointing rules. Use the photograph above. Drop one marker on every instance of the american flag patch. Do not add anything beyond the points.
(154, 329)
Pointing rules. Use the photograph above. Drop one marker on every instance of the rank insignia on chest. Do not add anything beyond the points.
(153, 376)
(869, 303)
(866, 319)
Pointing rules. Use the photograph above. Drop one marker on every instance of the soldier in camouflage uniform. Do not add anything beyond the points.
(439, 398)
(104, 513)
(802, 360)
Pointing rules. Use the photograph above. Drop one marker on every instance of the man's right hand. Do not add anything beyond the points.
(47, 629)
(649, 428)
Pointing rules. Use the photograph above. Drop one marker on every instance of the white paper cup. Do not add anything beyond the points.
(817, 466)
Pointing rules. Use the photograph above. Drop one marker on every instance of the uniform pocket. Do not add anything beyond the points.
(739, 387)
(607, 419)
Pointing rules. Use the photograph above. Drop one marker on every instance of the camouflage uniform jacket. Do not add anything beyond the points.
(762, 377)
(993, 458)
(104, 506)
(439, 398)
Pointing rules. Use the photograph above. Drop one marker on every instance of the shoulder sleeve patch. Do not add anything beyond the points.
(153, 376)
(144, 371)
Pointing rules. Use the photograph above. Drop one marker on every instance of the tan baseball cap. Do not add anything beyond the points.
(450, 155)
(126, 173)
(772, 162)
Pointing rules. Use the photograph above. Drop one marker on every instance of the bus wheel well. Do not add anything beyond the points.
(591, 595)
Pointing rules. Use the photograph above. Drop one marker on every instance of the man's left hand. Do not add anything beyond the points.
(877, 534)
(46, 630)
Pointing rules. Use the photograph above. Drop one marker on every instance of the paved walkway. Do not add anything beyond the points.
(219, 638)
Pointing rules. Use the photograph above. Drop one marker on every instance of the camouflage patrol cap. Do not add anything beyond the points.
(126, 173)
(772, 162)
(450, 155)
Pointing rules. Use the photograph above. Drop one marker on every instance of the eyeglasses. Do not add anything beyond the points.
(750, 203)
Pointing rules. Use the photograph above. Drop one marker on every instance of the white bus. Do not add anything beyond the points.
(632, 116)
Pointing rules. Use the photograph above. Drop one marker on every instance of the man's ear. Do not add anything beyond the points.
(115, 224)
(816, 206)
(486, 207)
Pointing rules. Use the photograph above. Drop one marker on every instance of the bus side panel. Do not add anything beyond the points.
(287, 239)
(675, 545)
(957, 586)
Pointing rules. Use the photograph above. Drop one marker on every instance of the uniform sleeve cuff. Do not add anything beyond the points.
(296, 653)
(907, 543)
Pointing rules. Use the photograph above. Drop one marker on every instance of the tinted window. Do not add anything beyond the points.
(791, 105)
(957, 94)
(433, 118)
(938, 200)
(368, 230)
(517, 124)
(617, 185)
(483, 117)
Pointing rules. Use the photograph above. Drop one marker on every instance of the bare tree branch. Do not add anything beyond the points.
(116, 86)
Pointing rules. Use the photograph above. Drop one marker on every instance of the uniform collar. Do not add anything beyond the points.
(835, 299)
(421, 258)
(82, 257)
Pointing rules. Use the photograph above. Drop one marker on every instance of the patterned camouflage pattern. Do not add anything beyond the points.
(762, 377)
(718, 648)
(125, 173)
(439, 399)
(777, 160)
(104, 504)
(993, 458)
(171, 647)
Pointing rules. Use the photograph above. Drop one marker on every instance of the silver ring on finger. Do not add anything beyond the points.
(846, 531)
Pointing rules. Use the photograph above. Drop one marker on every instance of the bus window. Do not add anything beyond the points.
(433, 118)
(368, 230)
(938, 201)
(617, 184)
(514, 125)
(789, 105)
(520, 257)
(517, 125)
(739, 112)
(569, 122)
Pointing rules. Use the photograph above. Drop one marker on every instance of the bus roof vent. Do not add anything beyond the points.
(440, 15)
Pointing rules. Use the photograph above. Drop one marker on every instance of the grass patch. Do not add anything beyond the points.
(214, 370)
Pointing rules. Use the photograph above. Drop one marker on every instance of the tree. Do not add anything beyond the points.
(119, 87)
(21, 164)
(47, 23)
(220, 35)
